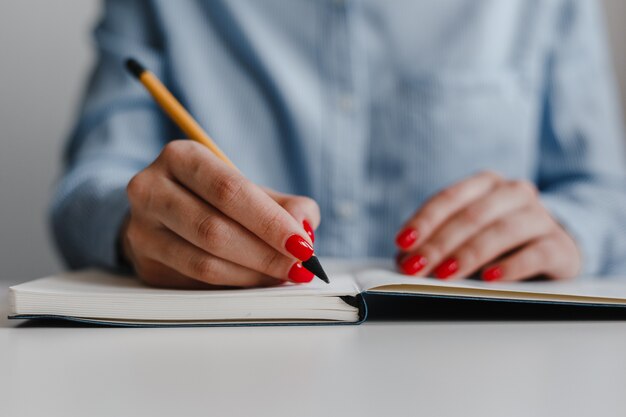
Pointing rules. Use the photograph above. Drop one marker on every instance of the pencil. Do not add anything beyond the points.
(185, 121)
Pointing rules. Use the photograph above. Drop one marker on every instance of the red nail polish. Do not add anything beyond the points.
(413, 264)
(447, 268)
(298, 247)
(309, 230)
(406, 238)
(493, 273)
(300, 274)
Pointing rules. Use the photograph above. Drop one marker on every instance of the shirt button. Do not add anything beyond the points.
(345, 209)
(346, 102)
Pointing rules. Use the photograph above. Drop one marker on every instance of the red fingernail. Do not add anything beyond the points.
(492, 274)
(447, 268)
(298, 247)
(413, 264)
(300, 274)
(309, 230)
(406, 238)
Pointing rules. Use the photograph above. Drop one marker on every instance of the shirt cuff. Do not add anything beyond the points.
(576, 220)
(87, 224)
(111, 217)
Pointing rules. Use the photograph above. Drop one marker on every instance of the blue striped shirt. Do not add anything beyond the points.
(367, 106)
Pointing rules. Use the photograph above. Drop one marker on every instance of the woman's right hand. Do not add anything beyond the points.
(194, 220)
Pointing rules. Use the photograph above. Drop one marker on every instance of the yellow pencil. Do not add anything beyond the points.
(174, 109)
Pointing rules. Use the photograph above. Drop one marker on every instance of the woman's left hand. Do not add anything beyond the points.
(486, 223)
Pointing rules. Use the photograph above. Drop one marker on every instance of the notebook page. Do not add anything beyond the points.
(610, 290)
(99, 283)
(105, 297)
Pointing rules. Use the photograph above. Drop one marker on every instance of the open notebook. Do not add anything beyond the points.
(98, 297)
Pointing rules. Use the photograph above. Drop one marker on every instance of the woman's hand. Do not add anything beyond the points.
(195, 221)
(485, 223)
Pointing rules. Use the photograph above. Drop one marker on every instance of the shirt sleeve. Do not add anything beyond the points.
(119, 132)
(581, 168)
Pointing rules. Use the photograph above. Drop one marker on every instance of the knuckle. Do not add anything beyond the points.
(138, 189)
(203, 267)
(524, 187)
(270, 223)
(474, 214)
(174, 150)
(209, 228)
(269, 261)
(503, 227)
(449, 195)
(227, 188)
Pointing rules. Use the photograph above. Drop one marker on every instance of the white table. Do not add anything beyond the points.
(376, 369)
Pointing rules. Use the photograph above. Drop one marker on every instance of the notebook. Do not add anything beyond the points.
(98, 297)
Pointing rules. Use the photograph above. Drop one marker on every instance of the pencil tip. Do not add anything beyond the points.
(134, 67)
(313, 265)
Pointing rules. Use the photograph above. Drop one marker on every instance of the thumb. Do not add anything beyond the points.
(300, 207)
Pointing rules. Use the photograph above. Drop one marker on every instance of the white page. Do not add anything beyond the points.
(99, 283)
(590, 288)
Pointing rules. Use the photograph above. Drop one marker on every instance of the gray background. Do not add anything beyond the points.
(45, 56)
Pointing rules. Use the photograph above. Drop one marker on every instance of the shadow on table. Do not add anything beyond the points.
(422, 308)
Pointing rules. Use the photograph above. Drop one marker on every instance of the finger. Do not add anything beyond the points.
(231, 193)
(470, 221)
(166, 247)
(540, 257)
(158, 275)
(197, 222)
(443, 205)
(500, 237)
(301, 208)
(304, 209)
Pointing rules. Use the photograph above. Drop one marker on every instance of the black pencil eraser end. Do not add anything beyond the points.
(134, 67)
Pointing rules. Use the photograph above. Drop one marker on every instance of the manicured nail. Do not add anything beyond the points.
(413, 264)
(493, 273)
(300, 274)
(406, 238)
(309, 230)
(298, 247)
(447, 268)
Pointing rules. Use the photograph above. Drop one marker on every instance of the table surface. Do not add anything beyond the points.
(435, 368)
